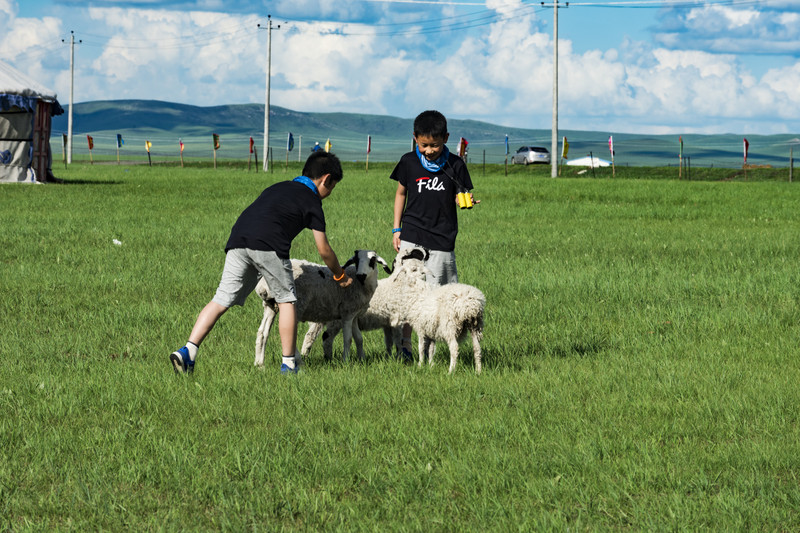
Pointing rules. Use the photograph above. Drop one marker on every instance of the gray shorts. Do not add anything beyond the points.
(441, 264)
(240, 276)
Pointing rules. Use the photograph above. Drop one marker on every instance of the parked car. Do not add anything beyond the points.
(530, 154)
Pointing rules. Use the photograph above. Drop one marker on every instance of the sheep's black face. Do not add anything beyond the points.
(366, 262)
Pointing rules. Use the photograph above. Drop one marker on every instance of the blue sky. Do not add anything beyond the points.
(626, 66)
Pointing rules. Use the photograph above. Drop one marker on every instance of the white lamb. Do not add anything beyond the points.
(445, 313)
(320, 299)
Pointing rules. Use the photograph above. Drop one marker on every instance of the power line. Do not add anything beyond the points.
(660, 4)
(238, 26)
(38, 51)
(434, 26)
(434, 2)
(148, 45)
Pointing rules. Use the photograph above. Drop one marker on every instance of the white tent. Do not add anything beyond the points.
(26, 111)
(594, 162)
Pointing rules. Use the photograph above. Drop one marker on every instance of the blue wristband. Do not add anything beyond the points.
(396, 230)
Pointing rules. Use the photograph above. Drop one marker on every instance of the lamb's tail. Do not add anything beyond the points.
(474, 323)
(468, 306)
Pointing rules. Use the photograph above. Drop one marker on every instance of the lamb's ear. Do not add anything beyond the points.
(415, 253)
(383, 262)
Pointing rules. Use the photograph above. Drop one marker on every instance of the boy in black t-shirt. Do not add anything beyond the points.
(259, 244)
(425, 206)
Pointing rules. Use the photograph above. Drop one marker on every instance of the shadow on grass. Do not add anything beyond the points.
(522, 356)
(90, 182)
(580, 348)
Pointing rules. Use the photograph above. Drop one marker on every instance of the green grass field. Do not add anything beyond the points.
(640, 362)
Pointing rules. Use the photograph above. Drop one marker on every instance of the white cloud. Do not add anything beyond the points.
(720, 18)
(200, 57)
(320, 67)
(29, 43)
(782, 85)
(8, 7)
(728, 29)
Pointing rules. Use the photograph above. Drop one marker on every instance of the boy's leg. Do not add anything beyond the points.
(442, 266)
(205, 321)
(287, 325)
(238, 280)
(183, 359)
(277, 274)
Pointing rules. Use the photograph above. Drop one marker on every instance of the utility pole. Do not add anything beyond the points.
(71, 92)
(554, 137)
(265, 155)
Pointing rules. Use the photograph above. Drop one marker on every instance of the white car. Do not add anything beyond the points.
(530, 154)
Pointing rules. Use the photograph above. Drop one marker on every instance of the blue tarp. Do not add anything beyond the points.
(28, 103)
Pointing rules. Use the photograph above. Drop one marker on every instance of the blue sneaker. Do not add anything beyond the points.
(181, 361)
(286, 369)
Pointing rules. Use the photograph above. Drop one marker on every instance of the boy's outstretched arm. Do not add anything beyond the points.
(329, 258)
(399, 206)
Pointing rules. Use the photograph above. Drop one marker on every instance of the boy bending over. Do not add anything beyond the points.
(259, 244)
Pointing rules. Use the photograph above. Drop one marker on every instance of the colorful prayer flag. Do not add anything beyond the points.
(148, 144)
(91, 142)
(251, 144)
(290, 142)
(564, 148)
(216, 141)
(680, 140)
(506, 144)
(462, 147)
(369, 143)
(746, 146)
(180, 141)
(120, 142)
(611, 145)
(328, 145)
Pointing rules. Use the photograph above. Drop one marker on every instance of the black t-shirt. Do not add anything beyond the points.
(430, 218)
(276, 217)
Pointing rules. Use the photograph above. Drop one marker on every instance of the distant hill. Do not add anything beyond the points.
(146, 116)
(164, 123)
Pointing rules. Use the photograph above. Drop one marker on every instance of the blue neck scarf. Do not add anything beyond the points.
(434, 166)
(305, 180)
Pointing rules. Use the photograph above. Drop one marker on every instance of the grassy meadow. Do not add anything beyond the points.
(640, 362)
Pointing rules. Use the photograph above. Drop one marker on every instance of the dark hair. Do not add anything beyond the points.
(320, 163)
(431, 123)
